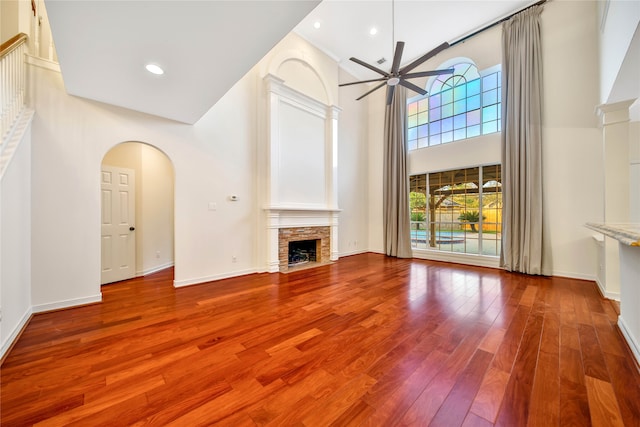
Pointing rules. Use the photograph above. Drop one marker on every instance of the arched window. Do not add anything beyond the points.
(459, 106)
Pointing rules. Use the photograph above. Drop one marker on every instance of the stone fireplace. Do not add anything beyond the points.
(296, 244)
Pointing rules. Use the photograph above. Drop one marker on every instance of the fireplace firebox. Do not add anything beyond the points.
(302, 252)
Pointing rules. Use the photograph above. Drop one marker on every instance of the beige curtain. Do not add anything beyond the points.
(397, 233)
(522, 229)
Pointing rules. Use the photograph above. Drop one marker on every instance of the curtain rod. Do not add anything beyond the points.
(486, 27)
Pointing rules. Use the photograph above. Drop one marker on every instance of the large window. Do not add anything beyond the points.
(458, 106)
(457, 210)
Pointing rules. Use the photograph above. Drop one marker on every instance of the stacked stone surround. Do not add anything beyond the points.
(296, 234)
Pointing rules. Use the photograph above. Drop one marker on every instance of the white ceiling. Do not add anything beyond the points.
(206, 46)
(422, 25)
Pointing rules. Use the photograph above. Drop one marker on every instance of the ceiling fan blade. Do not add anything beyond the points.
(423, 58)
(397, 56)
(363, 81)
(371, 67)
(413, 87)
(372, 90)
(428, 73)
(390, 91)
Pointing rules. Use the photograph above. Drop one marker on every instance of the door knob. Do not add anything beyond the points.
(131, 228)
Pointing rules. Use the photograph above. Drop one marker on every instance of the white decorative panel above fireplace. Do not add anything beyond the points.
(298, 166)
(301, 165)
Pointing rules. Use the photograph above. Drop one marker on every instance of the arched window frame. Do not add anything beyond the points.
(464, 105)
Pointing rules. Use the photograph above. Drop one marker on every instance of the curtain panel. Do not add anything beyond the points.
(522, 229)
(396, 218)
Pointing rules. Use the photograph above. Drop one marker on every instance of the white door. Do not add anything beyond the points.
(118, 224)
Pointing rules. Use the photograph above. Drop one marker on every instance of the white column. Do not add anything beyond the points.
(614, 120)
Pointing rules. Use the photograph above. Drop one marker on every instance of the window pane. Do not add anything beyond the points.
(434, 140)
(460, 107)
(423, 131)
(490, 82)
(459, 92)
(412, 134)
(473, 131)
(473, 87)
(412, 121)
(473, 102)
(434, 127)
(489, 127)
(423, 142)
(423, 118)
(490, 97)
(473, 118)
(434, 101)
(412, 108)
(459, 121)
(460, 134)
(423, 105)
(435, 114)
(447, 110)
(490, 113)
(412, 145)
(447, 137)
(447, 124)
(447, 96)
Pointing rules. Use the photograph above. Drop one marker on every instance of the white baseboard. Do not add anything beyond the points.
(8, 341)
(200, 280)
(154, 269)
(67, 303)
(356, 252)
(631, 340)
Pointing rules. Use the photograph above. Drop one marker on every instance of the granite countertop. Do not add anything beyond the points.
(629, 234)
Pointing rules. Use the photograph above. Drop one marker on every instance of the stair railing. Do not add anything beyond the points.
(12, 83)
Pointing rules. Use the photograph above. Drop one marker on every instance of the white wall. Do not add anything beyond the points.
(572, 152)
(634, 171)
(15, 244)
(154, 203)
(618, 21)
(353, 173)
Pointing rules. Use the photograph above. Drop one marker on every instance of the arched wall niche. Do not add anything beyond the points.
(299, 75)
(300, 72)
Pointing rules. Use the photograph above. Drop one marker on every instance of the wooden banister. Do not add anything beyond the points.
(12, 44)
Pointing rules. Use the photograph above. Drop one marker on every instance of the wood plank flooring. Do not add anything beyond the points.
(368, 340)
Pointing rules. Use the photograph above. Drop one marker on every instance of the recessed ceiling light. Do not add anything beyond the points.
(316, 25)
(373, 31)
(154, 69)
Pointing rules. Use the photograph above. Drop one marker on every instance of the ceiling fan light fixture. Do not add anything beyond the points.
(393, 81)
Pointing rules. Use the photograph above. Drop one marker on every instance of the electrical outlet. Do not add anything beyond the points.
(234, 259)
(157, 254)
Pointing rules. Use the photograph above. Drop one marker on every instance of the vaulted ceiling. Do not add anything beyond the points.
(206, 46)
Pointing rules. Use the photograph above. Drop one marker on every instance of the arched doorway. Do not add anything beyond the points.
(137, 202)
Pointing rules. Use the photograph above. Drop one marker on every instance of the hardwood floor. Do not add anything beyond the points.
(368, 340)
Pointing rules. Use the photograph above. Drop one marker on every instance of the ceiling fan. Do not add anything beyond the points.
(400, 76)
